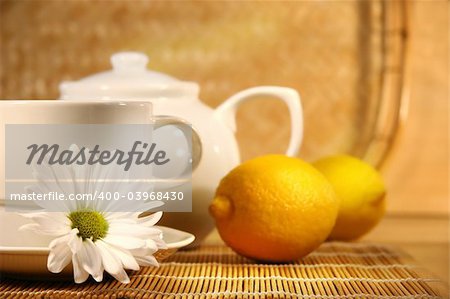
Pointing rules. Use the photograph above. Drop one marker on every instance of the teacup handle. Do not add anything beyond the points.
(227, 111)
(194, 142)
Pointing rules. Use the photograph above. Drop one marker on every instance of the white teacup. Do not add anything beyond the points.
(92, 112)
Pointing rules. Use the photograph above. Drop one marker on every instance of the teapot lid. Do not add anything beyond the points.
(129, 79)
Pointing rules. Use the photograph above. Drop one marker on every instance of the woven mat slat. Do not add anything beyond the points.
(335, 270)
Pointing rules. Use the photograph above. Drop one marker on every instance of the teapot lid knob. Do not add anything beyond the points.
(128, 79)
(129, 62)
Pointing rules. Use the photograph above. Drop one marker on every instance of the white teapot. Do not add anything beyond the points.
(130, 80)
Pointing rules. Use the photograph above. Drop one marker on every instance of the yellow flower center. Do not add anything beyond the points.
(90, 224)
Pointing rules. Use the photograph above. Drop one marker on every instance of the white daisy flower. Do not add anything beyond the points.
(95, 235)
(96, 242)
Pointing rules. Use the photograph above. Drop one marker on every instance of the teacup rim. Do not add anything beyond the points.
(94, 102)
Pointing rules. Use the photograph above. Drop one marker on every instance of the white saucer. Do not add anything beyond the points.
(23, 254)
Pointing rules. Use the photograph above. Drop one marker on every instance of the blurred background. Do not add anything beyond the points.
(373, 76)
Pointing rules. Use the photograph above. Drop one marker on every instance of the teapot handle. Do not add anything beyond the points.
(227, 111)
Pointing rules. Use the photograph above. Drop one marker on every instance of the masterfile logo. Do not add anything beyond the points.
(54, 155)
(126, 166)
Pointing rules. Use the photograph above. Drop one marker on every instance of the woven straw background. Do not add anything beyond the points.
(335, 270)
(335, 53)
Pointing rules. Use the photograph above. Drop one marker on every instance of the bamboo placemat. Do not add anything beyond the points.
(335, 270)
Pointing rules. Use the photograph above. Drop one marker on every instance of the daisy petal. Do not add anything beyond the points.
(159, 242)
(79, 274)
(74, 241)
(122, 216)
(125, 242)
(52, 231)
(151, 244)
(60, 255)
(148, 250)
(112, 263)
(129, 221)
(49, 223)
(126, 258)
(133, 230)
(147, 261)
(121, 276)
(90, 259)
(46, 218)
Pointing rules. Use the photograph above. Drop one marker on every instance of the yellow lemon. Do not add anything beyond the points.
(361, 191)
(274, 208)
